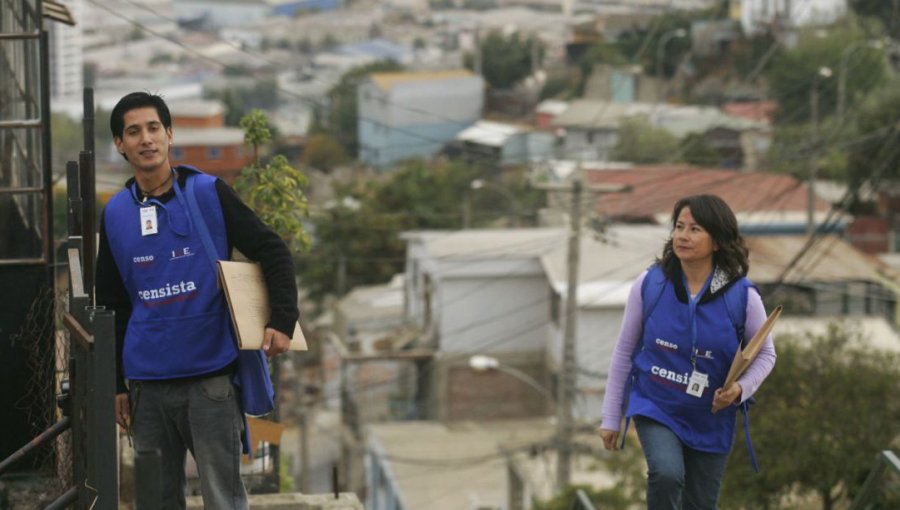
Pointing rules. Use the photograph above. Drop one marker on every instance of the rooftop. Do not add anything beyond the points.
(485, 132)
(757, 198)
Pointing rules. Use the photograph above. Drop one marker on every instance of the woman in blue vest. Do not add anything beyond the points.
(673, 353)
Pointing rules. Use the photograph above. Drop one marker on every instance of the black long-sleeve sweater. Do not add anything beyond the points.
(245, 232)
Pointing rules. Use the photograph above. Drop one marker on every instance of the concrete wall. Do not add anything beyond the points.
(481, 315)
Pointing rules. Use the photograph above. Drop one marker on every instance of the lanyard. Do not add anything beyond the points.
(692, 310)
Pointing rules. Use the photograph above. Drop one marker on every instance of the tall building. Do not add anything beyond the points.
(67, 58)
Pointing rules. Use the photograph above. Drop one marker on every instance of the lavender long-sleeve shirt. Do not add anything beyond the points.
(630, 337)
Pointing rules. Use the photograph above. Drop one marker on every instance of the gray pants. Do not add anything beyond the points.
(203, 416)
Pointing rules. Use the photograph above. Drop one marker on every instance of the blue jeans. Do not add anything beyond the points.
(202, 415)
(678, 477)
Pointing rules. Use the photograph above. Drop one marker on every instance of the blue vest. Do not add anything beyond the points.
(179, 326)
(662, 367)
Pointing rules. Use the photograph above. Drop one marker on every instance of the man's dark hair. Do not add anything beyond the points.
(714, 215)
(134, 101)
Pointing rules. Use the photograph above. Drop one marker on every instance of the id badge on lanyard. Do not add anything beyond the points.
(698, 381)
(149, 224)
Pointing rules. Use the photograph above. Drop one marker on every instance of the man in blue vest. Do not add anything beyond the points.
(175, 344)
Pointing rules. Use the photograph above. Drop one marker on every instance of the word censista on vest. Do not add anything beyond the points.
(170, 290)
(670, 375)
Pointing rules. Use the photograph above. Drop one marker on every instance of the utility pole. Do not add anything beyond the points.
(569, 360)
(569, 367)
(477, 54)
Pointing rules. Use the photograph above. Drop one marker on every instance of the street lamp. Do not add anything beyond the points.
(481, 363)
(823, 73)
(842, 70)
(660, 53)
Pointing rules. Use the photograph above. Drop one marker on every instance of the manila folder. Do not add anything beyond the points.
(248, 303)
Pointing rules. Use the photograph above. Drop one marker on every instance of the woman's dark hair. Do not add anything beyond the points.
(714, 215)
(134, 101)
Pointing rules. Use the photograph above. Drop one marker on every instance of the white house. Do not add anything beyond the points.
(481, 292)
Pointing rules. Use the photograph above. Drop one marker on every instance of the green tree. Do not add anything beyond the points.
(344, 112)
(792, 73)
(641, 43)
(67, 141)
(505, 60)
(273, 191)
(876, 155)
(323, 152)
(357, 239)
(641, 142)
(694, 150)
(826, 410)
(885, 11)
(791, 149)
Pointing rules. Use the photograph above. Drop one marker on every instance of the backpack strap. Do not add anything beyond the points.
(245, 358)
(651, 290)
(736, 304)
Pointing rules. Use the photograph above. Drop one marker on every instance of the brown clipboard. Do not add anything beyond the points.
(745, 356)
(248, 302)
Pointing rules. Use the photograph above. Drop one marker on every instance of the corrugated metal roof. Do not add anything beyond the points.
(387, 81)
(590, 114)
(831, 259)
(679, 120)
(485, 132)
(656, 188)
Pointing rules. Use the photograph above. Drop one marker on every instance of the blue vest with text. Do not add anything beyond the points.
(663, 366)
(179, 325)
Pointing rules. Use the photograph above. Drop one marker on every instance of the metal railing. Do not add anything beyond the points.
(87, 398)
(883, 461)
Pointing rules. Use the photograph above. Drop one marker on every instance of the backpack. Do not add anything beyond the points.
(735, 302)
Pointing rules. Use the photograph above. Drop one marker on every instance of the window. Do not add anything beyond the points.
(177, 153)
(213, 153)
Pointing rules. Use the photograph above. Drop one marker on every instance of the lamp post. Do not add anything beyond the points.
(660, 54)
(823, 73)
(842, 70)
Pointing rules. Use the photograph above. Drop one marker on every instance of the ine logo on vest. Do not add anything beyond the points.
(181, 253)
(171, 293)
